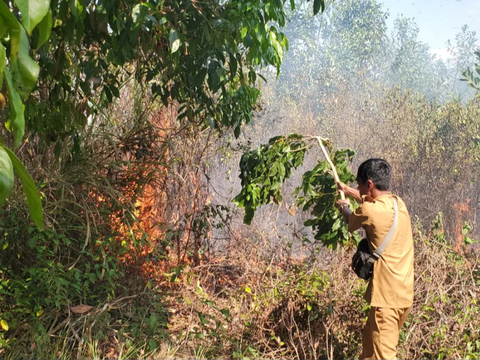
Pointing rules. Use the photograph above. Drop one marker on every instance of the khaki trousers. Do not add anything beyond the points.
(380, 334)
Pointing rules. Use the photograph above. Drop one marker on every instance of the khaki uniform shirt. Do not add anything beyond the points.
(391, 285)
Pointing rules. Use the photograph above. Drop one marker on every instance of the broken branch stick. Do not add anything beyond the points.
(335, 175)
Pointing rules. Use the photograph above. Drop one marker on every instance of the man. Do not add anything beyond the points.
(390, 291)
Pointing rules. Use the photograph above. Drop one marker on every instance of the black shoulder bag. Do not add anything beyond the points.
(363, 260)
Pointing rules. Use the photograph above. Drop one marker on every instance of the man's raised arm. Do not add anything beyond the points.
(349, 191)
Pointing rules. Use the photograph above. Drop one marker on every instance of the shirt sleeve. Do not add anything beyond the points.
(359, 218)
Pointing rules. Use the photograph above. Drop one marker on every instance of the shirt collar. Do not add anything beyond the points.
(368, 198)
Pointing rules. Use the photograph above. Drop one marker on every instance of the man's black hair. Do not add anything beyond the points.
(376, 170)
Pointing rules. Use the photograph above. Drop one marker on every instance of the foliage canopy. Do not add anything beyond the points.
(264, 170)
(75, 56)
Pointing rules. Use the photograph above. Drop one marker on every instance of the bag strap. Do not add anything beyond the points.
(381, 248)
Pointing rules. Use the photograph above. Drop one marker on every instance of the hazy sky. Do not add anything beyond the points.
(438, 20)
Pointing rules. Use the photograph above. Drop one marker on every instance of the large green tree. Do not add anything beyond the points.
(62, 62)
(351, 46)
(411, 65)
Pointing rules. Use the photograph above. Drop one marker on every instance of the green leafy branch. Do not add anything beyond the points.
(20, 72)
(203, 56)
(470, 77)
(318, 193)
(264, 170)
(8, 163)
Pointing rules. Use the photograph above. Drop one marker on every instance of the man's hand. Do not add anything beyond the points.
(341, 186)
(343, 206)
(343, 203)
(349, 191)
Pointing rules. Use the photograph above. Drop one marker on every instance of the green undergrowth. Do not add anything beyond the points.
(272, 309)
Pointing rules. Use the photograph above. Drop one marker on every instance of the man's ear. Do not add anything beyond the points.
(370, 184)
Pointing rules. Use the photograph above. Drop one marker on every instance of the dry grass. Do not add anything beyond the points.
(252, 304)
(290, 309)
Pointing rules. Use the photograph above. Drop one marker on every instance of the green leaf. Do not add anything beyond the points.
(78, 9)
(45, 29)
(152, 344)
(108, 94)
(24, 69)
(236, 132)
(281, 170)
(6, 175)
(13, 27)
(233, 66)
(152, 323)
(225, 313)
(16, 110)
(203, 318)
(138, 13)
(2, 63)
(28, 69)
(174, 40)
(3, 28)
(317, 4)
(29, 188)
(336, 225)
(243, 32)
(214, 80)
(276, 45)
(249, 212)
(114, 91)
(33, 11)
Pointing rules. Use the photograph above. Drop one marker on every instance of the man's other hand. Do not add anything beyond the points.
(342, 203)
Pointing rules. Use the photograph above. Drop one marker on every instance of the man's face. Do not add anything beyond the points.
(362, 188)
